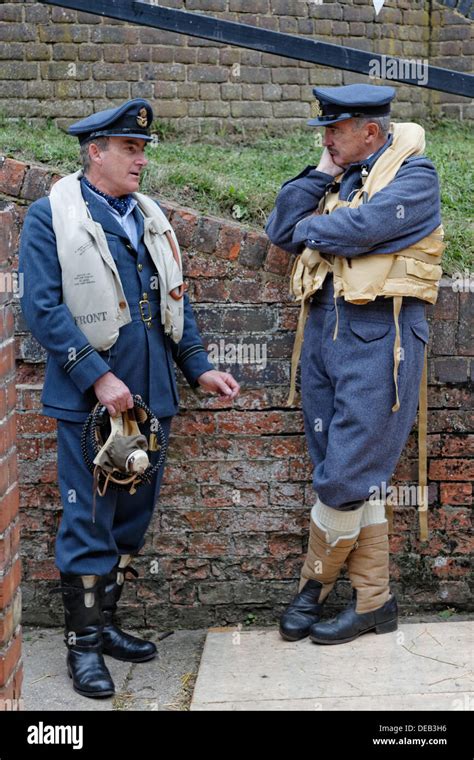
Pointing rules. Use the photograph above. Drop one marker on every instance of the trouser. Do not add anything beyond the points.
(84, 547)
(354, 438)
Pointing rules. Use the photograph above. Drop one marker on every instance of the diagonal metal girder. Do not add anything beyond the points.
(267, 41)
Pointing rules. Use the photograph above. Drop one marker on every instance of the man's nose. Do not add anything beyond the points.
(142, 160)
(327, 140)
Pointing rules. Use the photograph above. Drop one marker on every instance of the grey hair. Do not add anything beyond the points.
(101, 142)
(383, 123)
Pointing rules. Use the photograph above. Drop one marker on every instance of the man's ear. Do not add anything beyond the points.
(94, 153)
(372, 132)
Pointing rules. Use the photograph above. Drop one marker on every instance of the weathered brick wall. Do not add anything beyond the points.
(11, 671)
(228, 537)
(63, 64)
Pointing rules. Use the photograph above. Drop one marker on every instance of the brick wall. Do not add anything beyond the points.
(10, 596)
(64, 64)
(228, 537)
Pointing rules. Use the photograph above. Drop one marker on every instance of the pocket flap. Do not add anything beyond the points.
(421, 330)
(370, 330)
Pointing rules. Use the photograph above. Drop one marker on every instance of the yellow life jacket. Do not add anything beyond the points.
(412, 271)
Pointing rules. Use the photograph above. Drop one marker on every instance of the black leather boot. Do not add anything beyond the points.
(324, 560)
(349, 624)
(117, 643)
(302, 612)
(373, 608)
(83, 635)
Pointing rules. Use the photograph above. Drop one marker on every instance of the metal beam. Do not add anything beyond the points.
(265, 40)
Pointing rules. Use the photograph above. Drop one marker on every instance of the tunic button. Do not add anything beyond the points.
(140, 267)
(122, 304)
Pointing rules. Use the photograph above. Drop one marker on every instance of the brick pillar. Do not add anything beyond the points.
(10, 595)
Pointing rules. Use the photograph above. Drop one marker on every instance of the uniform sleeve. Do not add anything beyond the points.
(48, 318)
(190, 354)
(405, 211)
(297, 198)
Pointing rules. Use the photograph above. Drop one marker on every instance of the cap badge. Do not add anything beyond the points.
(316, 109)
(142, 118)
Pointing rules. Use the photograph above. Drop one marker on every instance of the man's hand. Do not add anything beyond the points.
(113, 394)
(219, 382)
(327, 165)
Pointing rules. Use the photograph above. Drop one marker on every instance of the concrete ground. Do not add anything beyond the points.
(164, 683)
(422, 666)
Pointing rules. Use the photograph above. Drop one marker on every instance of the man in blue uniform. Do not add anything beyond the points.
(358, 412)
(93, 556)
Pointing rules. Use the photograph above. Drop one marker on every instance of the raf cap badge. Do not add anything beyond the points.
(316, 109)
(142, 118)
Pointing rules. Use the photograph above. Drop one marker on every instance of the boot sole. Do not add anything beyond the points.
(125, 659)
(95, 695)
(293, 638)
(388, 627)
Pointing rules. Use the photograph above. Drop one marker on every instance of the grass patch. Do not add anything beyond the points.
(238, 176)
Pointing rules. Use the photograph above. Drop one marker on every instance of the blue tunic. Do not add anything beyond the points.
(347, 388)
(142, 358)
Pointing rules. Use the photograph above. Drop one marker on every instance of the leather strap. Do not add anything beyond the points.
(423, 451)
(397, 305)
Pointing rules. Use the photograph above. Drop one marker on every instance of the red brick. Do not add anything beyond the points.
(229, 242)
(243, 291)
(183, 223)
(42, 570)
(7, 434)
(7, 322)
(36, 184)
(9, 541)
(9, 582)
(30, 399)
(204, 266)
(194, 423)
(8, 508)
(451, 469)
(256, 423)
(10, 694)
(211, 290)
(285, 447)
(9, 658)
(30, 423)
(454, 446)
(208, 545)
(456, 493)
(11, 176)
(277, 260)
(7, 359)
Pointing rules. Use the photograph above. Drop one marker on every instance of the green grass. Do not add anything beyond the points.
(238, 176)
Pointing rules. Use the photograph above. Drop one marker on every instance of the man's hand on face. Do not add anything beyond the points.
(327, 165)
(219, 382)
(113, 394)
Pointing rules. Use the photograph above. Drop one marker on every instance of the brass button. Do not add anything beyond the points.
(123, 305)
(140, 267)
(145, 296)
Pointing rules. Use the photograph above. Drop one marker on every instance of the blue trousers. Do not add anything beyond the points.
(353, 437)
(84, 547)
